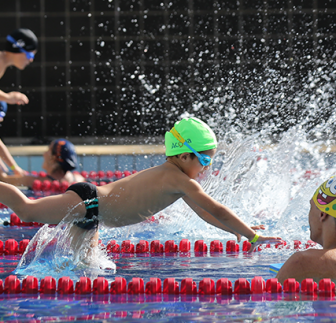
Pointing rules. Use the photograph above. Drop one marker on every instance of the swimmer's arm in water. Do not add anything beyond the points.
(19, 180)
(6, 156)
(223, 214)
(14, 98)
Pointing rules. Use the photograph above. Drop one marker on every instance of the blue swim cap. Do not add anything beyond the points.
(3, 109)
(65, 154)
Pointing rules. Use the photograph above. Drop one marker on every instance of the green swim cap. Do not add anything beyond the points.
(195, 132)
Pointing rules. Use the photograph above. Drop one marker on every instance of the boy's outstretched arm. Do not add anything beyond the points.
(207, 217)
(223, 214)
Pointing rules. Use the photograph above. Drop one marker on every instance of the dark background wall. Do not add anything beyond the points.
(130, 67)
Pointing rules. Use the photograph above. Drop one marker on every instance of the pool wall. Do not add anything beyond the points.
(95, 158)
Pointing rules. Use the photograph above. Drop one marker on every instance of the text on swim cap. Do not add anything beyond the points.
(177, 144)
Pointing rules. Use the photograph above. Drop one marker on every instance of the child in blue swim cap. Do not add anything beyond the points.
(58, 161)
(62, 156)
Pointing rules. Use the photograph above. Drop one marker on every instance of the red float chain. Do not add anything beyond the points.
(99, 178)
(200, 247)
(170, 247)
(143, 248)
(12, 247)
(136, 286)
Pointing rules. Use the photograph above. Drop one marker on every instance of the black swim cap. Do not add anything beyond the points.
(24, 38)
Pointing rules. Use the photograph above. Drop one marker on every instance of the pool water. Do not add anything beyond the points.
(270, 187)
(163, 308)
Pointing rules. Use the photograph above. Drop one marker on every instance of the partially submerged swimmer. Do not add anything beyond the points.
(317, 263)
(58, 161)
(190, 147)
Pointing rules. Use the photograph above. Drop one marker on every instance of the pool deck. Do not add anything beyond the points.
(93, 150)
(154, 149)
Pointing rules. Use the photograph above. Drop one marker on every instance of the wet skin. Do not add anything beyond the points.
(314, 263)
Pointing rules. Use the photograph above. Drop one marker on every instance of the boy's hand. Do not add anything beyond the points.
(262, 240)
(258, 227)
(254, 227)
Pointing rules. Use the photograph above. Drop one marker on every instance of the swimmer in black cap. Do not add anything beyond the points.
(58, 161)
(19, 51)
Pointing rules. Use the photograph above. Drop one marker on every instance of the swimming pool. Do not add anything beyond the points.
(261, 186)
(163, 307)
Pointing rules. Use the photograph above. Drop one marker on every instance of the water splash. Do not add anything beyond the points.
(64, 250)
(268, 164)
(271, 125)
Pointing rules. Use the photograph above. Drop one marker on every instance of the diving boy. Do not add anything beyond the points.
(190, 147)
(317, 263)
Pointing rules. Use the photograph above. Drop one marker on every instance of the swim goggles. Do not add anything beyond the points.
(205, 160)
(29, 55)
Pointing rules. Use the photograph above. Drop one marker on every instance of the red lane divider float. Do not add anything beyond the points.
(200, 247)
(136, 286)
(107, 176)
(98, 178)
(155, 248)
(11, 247)
(101, 178)
(55, 187)
(16, 221)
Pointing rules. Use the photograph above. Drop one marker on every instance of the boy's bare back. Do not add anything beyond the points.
(135, 198)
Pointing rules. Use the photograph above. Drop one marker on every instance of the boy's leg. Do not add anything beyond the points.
(78, 234)
(51, 209)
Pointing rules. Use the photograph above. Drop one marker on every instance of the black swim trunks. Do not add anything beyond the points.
(88, 193)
